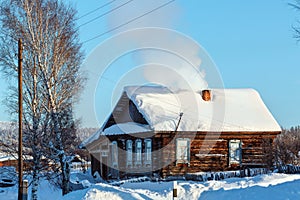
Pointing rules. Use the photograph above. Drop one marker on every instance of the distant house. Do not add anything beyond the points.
(78, 163)
(11, 160)
(7, 160)
(153, 131)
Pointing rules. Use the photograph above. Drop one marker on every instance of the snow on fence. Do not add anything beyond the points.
(289, 169)
(201, 176)
(208, 176)
(132, 180)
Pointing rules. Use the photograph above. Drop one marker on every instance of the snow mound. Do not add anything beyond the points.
(272, 186)
(97, 194)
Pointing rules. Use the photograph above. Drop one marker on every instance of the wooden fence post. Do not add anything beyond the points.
(25, 190)
(175, 189)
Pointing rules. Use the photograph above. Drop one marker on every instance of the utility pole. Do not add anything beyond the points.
(20, 161)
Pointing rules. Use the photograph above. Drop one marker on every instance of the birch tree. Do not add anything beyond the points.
(52, 56)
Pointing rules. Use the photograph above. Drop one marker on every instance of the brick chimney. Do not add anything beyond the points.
(206, 95)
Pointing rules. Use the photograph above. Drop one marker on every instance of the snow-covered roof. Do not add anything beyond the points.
(124, 128)
(118, 129)
(6, 157)
(229, 110)
(91, 139)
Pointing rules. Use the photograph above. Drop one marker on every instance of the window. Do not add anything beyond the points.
(114, 154)
(138, 151)
(148, 152)
(129, 153)
(182, 150)
(235, 152)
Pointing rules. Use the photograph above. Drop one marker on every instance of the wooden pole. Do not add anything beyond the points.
(180, 116)
(175, 190)
(20, 161)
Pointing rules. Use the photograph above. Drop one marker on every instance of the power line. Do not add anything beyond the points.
(128, 22)
(102, 15)
(88, 13)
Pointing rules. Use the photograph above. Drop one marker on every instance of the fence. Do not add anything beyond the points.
(289, 169)
(208, 176)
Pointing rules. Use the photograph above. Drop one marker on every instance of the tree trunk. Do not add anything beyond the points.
(35, 185)
(65, 175)
(35, 150)
(65, 167)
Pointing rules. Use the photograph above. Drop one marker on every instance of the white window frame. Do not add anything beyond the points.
(129, 153)
(235, 151)
(183, 150)
(114, 154)
(138, 152)
(148, 152)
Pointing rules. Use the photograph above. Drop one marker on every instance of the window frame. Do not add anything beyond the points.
(236, 156)
(186, 158)
(148, 152)
(129, 153)
(114, 154)
(138, 152)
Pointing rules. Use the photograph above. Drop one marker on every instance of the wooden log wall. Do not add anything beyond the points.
(208, 152)
(211, 153)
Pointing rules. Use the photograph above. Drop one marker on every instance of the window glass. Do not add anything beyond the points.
(129, 153)
(183, 150)
(148, 149)
(138, 145)
(235, 152)
(114, 154)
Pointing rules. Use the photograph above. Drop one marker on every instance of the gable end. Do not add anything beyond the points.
(125, 111)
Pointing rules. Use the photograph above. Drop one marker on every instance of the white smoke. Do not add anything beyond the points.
(172, 70)
(178, 64)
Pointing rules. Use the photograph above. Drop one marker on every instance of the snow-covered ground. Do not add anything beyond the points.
(272, 186)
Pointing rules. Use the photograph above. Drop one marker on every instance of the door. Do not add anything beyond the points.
(104, 168)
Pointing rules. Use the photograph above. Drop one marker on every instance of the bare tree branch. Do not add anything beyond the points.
(51, 58)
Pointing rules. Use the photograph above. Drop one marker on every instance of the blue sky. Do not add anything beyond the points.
(251, 43)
